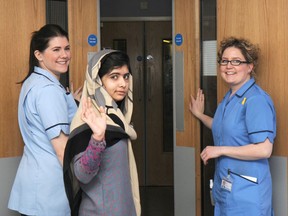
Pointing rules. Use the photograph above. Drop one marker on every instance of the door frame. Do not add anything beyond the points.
(187, 145)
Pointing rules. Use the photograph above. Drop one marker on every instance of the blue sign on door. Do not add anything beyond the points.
(178, 39)
(92, 40)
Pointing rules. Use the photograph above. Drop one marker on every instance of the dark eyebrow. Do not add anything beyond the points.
(59, 47)
(113, 73)
(117, 73)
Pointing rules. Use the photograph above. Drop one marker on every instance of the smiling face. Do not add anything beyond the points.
(56, 57)
(235, 76)
(116, 82)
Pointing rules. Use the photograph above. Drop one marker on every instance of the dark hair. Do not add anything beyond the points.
(40, 41)
(249, 51)
(113, 60)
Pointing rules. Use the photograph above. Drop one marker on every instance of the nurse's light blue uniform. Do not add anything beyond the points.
(44, 110)
(247, 117)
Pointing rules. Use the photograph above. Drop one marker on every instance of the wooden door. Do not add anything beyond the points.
(18, 20)
(83, 21)
(264, 23)
(187, 181)
(159, 162)
(143, 43)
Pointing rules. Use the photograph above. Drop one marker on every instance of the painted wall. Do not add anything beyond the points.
(8, 168)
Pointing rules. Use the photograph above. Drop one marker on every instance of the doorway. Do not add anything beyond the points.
(209, 86)
(149, 46)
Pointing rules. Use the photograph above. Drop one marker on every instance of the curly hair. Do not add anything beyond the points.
(249, 50)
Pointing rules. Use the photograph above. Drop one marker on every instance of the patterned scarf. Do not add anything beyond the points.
(118, 127)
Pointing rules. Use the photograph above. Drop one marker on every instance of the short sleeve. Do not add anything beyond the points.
(260, 119)
(53, 110)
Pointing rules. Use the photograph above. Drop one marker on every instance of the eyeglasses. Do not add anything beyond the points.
(232, 62)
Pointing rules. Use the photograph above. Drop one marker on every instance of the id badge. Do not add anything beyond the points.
(226, 183)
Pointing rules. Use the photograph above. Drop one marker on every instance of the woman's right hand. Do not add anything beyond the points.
(96, 121)
(76, 94)
(196, 105)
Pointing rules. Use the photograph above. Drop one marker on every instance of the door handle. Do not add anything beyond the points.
(140, 74)
(150, 71)
(149, 83)
(139, 68)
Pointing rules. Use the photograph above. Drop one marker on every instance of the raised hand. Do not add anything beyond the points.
(76, 94)
(95, 120)
(196, 106)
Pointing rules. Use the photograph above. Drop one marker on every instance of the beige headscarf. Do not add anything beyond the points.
(93, 88)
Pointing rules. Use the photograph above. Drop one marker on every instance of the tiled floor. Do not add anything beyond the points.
(157, 201)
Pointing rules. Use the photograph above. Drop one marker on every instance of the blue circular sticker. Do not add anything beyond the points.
(178, 39)
(92, 40)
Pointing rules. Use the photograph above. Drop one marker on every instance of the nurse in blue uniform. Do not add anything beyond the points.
(244, 129)
(45, 111)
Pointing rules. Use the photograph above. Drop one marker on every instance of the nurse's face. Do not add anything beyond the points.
(116, 82)
(56, 57)
(233, 75)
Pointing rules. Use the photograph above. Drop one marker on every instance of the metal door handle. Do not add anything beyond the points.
(140, 74)
(149, 84)
(150, 71)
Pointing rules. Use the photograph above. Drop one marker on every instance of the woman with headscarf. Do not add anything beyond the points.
(99, 167)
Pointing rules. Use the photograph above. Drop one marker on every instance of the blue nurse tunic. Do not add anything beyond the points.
(44, 111)
(244, 118)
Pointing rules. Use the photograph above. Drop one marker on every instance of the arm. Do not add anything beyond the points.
(248, 152)
(87, 163)
(52, 108)
(59, 144)
(196, 107)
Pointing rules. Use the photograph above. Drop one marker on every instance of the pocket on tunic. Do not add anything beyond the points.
(245, 191)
